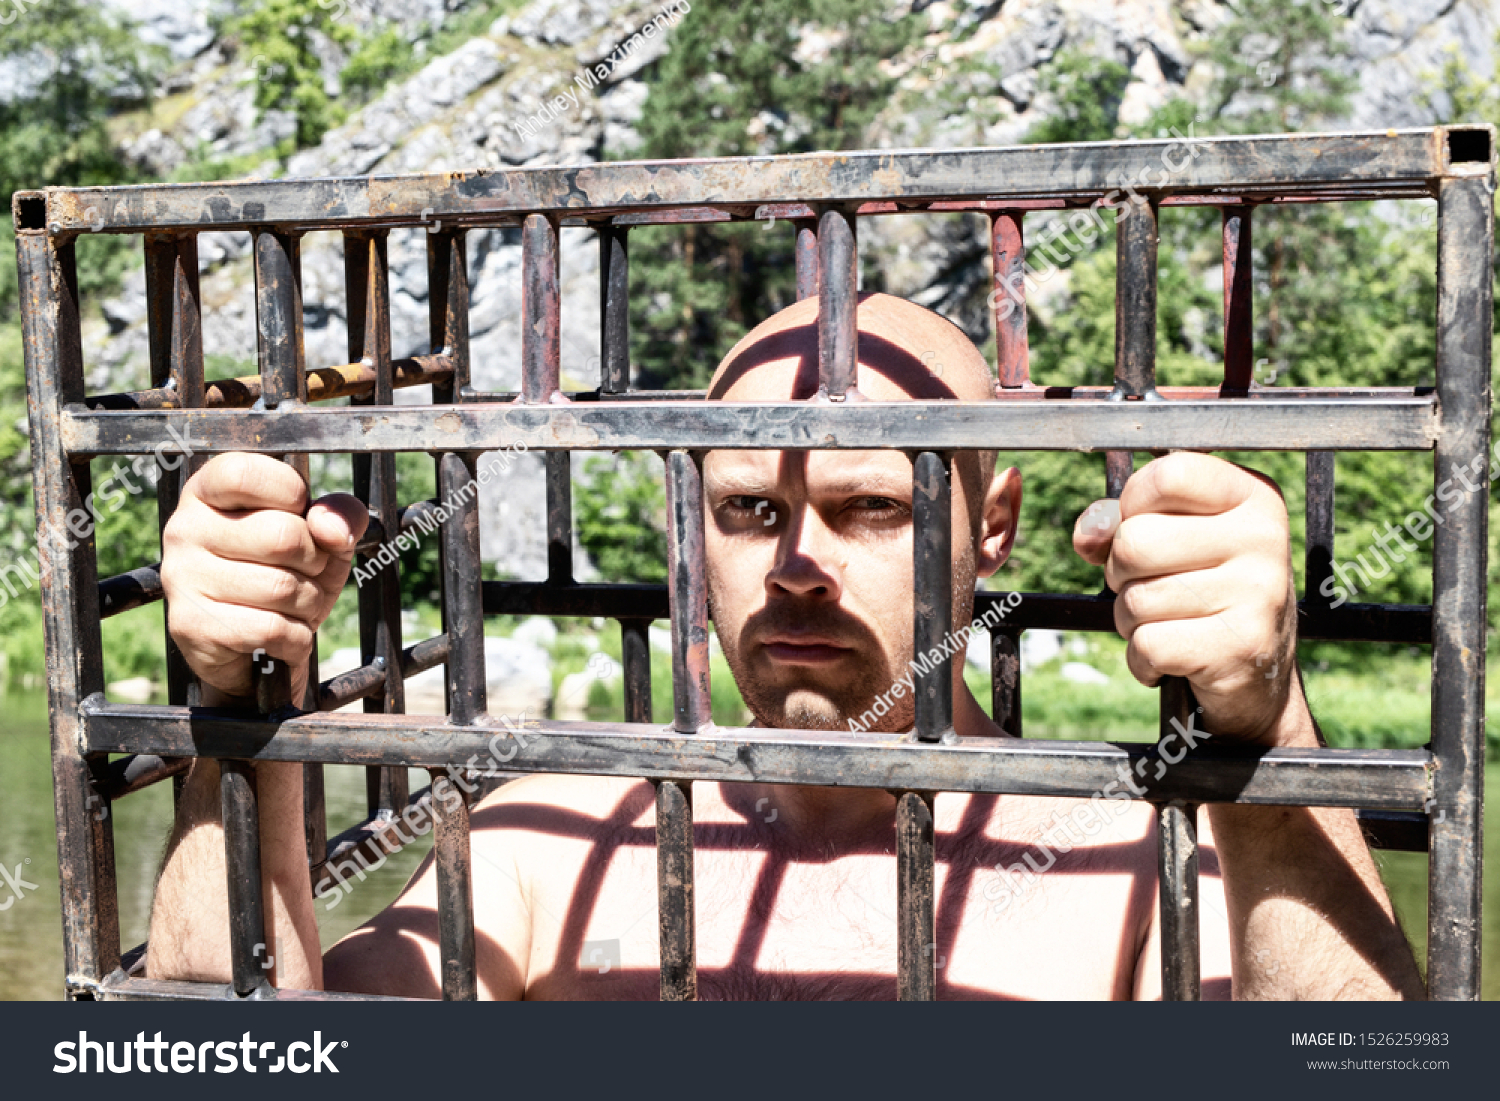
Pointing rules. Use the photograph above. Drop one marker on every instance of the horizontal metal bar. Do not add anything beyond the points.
(367, 680)
(118, 987)
(1380, 424)
(1392, 779)
(323, 384)
(127, 775)
(1404, 623)
(1395, 162)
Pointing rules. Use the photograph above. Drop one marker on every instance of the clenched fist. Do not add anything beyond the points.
(247, 566)
(1198, 551)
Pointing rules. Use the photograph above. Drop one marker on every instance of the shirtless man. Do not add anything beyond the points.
(809, 572)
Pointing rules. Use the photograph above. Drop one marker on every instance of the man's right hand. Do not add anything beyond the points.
(247, 566)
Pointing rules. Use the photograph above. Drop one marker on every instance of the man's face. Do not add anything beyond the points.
(809, 562)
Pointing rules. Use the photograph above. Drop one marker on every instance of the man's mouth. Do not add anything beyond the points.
(805, 649)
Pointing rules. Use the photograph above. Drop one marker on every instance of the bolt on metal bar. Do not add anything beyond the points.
(1318, 544)
(53, 352)
(1456, 839)
(807, 257)
(674, 881)
(932, 527)
(249, 950)
(614, 309)
(541, 342)
(692, 699)
(367, 299)
(1135, 302)
(838, 301)
(916, 944)
(635, 653)
(1008, 274)
(1177, 863)
(1239, 335)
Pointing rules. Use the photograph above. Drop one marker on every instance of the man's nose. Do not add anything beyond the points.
(808, 557)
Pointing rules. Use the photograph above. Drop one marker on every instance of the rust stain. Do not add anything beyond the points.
(449, 422)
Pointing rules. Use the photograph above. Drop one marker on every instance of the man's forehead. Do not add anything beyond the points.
(820, 472)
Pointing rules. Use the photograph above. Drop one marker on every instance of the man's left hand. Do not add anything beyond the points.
(1198, 551)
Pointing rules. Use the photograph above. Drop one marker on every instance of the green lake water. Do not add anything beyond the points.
(31, 962)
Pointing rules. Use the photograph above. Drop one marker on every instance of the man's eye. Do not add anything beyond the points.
(878, 508)
(744, 502)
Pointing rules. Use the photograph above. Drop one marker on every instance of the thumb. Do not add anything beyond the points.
(1094, 533)
(336, 523)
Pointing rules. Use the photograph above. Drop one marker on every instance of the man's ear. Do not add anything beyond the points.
(998, 523)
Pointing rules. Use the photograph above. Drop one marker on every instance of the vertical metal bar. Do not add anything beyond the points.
(635, 650)
(1239, 349)
(541, 341)
(1118, 467)
(1005, 679)
(1177, 865)
(174, 324)
(1135, 302)
(283, 381)
(1318, 550)
(932, 525)
(367, 298)
(916, 944)
(1177, 877)
(53, 352)
(691, 698)
(448, 328)
(807, 258)
(1008, 267)
(463, 615)
(248, 946)
(1456, 834)
(674, 883)
(614, 310)
(838, 301)
(560, 517)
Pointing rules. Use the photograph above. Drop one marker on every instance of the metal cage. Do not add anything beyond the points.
(822, 195)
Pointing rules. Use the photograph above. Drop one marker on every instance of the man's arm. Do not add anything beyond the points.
(243, 570)
(1198, 551)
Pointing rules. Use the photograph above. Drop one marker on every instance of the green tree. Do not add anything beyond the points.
(741, 79)
(621, 514)
(284, 41)
(1083, 95)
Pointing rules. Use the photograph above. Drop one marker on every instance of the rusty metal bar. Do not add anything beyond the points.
(614, 309)
(1456, 838)
(455, 890)
(1394, 779)
(1177, 860)
(807, 257)
(1362, 164)
(635, 652)
(1374, 424)
(250, 953)
(367, 297)
(174, 320)
(559, 517)
(1318, 544)
(916, 943)
(541, 339)
(932, 527)
(674, 881)
(692, 700)
(1005, 678)
(448, 310)
(371, 678)
(1177, 878)
(53, 352)
(1135, 302)
(838, 301)
(1008, 272)
(1239, 300)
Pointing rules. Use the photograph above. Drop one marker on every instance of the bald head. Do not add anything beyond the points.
(906, 352)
